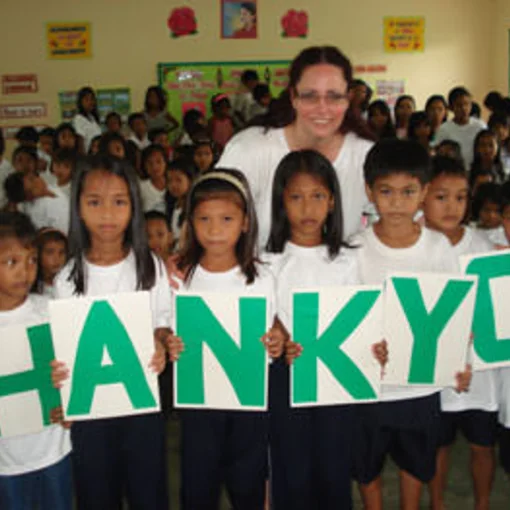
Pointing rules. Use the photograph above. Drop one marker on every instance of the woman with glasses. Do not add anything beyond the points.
(313, 113)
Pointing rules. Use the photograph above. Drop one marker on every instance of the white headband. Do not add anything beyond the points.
(222, 176)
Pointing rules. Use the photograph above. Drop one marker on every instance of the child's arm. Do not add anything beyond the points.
(463, 379)
(380, 352)
(173, 344)
(57, 416)
(59, 373)
(158, 360)
(275, 339)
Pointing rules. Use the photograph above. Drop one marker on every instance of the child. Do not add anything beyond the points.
(487, 157)
(204, 156)
(155, 111)
(475, 412)
(125, 456)
(62, 166)
(65, 138)
(437, 113)
(86, 121)
(153, 189)
(112, 144)
(179, 177)
(310, 448)
(193, 122)
(404, 107)
(159, 234)
(113, 122)
(498, 124)
(219, 255)
(35, 469)
(419, 129)
(449, 148)
(486, 211)
(379, 119)
(221, 125)
(261, 100)
(462, 128)
(5, 170)
(94, 145)
(51, 257)
(405, 423)
(160, 137)
(244, 98)
(138, 126)
(24, 160)
(27, 136)
(360, 94)
(46, 137)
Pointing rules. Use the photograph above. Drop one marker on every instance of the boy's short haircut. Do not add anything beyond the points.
(260, 90)
(157, 215)
(453, 144)
(47, 131)
(455, 93)
(18, 226)
(14, 188)
(486, 192)
(27, 134)
(393, 156)
(65, 156)
(30, 151)
(249, 75)
(112, 115)
(443, 165)
(154, 133)
(133, 117)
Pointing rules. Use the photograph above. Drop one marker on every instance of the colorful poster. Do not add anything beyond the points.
(108, 100)
(68, 40)
(404, 34)
(336, 328)
(295, 24)
(491, 321)
(238, 19)
(23, 111)
(427, 324)
(389, 90)
(224, 363)
(107, 349)
(27, 395)
(19, 84)
(193, 84)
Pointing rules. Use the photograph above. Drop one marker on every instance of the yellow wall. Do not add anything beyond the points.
(130, 37)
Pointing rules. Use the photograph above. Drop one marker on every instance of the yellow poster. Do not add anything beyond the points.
(404, 34)
(68, 40)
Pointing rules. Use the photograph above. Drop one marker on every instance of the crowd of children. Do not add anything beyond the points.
(92, 211)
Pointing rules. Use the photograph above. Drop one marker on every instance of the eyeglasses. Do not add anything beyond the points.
(330, 98)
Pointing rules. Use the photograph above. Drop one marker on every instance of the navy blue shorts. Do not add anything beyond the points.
(504, 448)
(479, 427)
(407, 430)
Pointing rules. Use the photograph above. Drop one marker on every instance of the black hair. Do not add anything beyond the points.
(150, 150)
(106, 139)
(156, 215)
(497, 170)
(85, 91)
(433, 99)
(16, 225)
(443, 165)
(133, 117)
(219, 100)
(160, 93)
(2, 143)
(249, 75)
(27, 134)
(96, 139)
(455, 93)
(494, 101)
(113, 115)
(281, 112)
(190, 122)
(182, 165)
(44, 236)
(388, 130)
(497, 119)
(135, 237)
(400, 99)
(312, 163)
(154, 133)
(260, 90)
(454, 145)
(47, 131)
(486, 192)
(416, 119)
(65, 126)
(14, 188)
(134, 156)
(475, 110)
(206, 141)
(65, 156)
(23, 149)
(357, 82)
(250, 7)
(393, 156)
(217, 187)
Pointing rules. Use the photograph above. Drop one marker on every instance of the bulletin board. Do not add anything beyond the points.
(191, 85)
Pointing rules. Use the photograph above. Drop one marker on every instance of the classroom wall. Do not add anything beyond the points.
(130, 37)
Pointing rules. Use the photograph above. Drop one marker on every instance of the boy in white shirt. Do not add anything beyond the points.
(405, 423)
(35, 470)
(462, 128)
(138, 126)
(63, 165)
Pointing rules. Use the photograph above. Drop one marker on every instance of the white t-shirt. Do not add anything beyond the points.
(300, 267)
(432, 252)
(51, 212)
(141, 144)
(176, 229)
(257, 154)
(503, 383)
(5, 170)
(495, 235)
(463, 134)
(66, 189)
(482, 390)
(153, 199)
(117, 278)
(87, 128)
(31, 452)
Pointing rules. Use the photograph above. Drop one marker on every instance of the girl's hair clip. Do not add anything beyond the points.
(222, 176)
